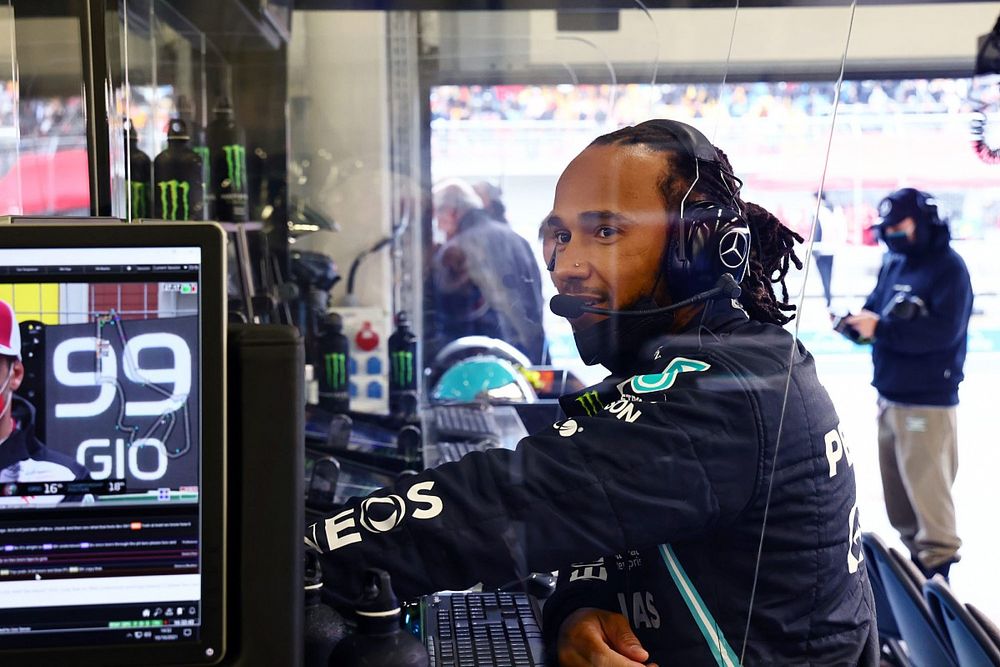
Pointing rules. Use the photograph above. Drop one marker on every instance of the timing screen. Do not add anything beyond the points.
(100, 449)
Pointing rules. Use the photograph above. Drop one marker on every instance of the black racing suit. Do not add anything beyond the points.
(671, 469)
(25, 458)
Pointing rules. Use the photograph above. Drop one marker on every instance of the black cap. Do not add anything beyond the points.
(223, 107)
(313, 570)
(178, 130)
(335, 321)
(907, 203)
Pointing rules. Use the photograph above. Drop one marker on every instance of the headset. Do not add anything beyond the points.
(711, 239)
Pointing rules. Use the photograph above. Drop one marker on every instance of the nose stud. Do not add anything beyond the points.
(577, 265)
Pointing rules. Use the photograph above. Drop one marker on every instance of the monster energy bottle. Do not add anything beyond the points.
(140, 179)
(229, 165)
(178, 193)
(186, 112)
(334, 374)
(403, 369)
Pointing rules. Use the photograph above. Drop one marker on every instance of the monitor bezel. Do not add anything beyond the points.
(211, 239)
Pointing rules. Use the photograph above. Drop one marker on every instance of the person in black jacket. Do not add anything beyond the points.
(917, 318)
(699, 503)
(486, 277)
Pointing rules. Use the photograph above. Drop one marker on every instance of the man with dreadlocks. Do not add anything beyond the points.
(699, 503)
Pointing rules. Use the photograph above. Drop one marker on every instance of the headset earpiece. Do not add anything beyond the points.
(716, 240)
(708, 239)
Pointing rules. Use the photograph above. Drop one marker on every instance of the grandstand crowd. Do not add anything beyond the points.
(631, 103)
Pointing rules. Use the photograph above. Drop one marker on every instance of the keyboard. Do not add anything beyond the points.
(483, 628)
(464, 421)
(453, 451)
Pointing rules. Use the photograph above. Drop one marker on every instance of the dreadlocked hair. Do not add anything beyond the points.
(772, 254)
(772, 250)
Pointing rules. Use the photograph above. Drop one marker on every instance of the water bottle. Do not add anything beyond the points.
(324, 627)
(403, 369)
(227, 146)
(178, 193)
(140, 178)
(186, 112)
(380, 640)
(334, 375)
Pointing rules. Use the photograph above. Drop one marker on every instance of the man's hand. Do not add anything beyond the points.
(864, 323)
(596, 638)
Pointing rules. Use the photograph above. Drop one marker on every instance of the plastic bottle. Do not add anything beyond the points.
(178, 193)
(334, 376)
(324, 627)
(403, 369)
(140, 178)
(227, 147)
(380, 640)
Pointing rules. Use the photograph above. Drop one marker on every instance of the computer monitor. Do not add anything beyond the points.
(112, 510)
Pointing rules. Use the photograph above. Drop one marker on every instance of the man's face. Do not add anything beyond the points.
(447, 221)
(609, 228)
(11, 374)
(907, 226)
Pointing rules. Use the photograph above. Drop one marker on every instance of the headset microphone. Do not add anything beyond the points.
(571, 307)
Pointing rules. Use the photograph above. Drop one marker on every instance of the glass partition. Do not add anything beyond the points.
(43, 149)
(417, 190)
(479, 150)
(8, 112)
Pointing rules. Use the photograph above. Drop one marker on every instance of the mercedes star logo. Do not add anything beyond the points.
(733, 248)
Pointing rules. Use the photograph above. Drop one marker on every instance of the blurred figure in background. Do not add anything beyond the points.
(917, 319)
(492, 204)
(485, 277)
(829, 235)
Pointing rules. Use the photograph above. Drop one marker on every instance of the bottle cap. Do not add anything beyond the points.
(377, 599)
(313, 579)
(334, 321)
(223, 107)
(177, 130)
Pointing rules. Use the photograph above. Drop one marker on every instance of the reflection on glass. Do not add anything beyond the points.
(43, 125)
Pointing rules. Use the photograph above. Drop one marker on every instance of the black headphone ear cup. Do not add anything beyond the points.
(718, 241)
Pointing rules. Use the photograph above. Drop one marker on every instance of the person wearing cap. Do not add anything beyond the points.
(917, 319)
(23, 457)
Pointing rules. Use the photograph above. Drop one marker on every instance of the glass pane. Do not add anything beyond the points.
(11, 193)
(44, 169)
(164, 61)
(511, 99)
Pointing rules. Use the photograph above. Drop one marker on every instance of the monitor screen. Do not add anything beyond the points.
(110, 458)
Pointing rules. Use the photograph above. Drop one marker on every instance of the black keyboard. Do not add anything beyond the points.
(497, 629)
(464, 421)
(453, 451)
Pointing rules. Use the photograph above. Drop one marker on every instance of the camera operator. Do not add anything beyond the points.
(917, 319)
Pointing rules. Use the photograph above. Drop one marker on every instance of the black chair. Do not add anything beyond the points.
(925, 643)
(973, 646)
(888, 631)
